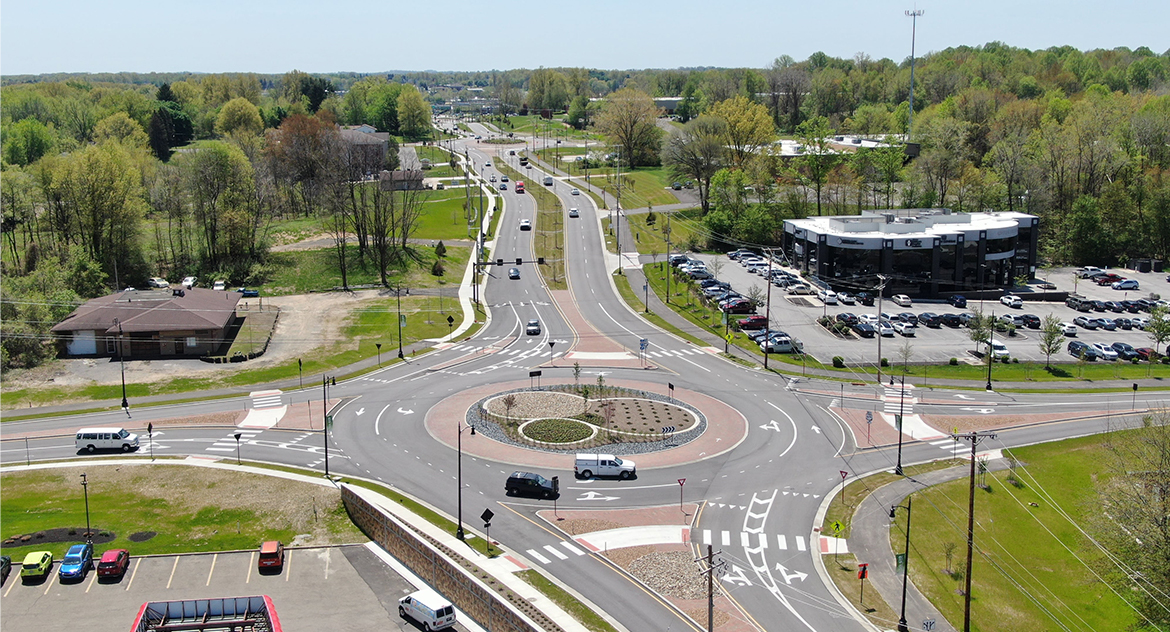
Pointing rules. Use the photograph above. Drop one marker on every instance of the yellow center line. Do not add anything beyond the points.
(214, 558)
(133, 573)
(172, 577)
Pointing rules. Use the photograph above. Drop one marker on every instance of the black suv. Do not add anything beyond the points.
(1031, 321)
(865, 298)
(529, 484)
(950, 320)
(957, 300)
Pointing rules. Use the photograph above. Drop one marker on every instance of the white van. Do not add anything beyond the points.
(428, 608)
(588, 465)
(91, 439)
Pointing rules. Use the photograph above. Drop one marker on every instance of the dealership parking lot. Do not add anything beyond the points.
(797, 315)
(331, 588)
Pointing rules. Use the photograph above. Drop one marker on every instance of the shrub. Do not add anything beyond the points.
(885, 362)
(954, 362)
(437, 269)
(440, 250)
(838, 362)
(1005, 360)
(1015, 360)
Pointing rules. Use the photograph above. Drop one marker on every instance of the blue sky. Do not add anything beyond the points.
(37, 36)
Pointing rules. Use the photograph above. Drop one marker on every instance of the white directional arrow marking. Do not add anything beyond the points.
(816, 430)
(737, 577)
(406, 412)
(772, 425)
(960, 396)
(597, 496)
(788, 577)
(360, 411)
(981, 411)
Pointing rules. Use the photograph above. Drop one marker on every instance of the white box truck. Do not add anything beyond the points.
(589, 465)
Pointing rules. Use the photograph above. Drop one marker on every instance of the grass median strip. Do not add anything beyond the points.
(567, 602)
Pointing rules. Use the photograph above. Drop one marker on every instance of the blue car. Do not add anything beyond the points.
(76, 563)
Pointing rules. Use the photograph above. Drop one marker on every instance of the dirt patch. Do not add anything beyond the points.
(668, 569)
(628, 555)
(60, 534)
(141, 536)
(226, 418)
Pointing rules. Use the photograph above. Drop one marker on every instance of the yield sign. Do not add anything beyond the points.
(681, 481)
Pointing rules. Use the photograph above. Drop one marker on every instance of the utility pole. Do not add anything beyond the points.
(325, 418)
(913, 15)
(710, 573)
(618, 213)
(974, 438)
(881, 288)
(670, 268)
(768, 307)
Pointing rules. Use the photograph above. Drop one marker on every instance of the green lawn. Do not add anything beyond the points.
(651, 236)
(298, 272)
(189, 508)
(1028, 543)
(644, 186)
(444, 216)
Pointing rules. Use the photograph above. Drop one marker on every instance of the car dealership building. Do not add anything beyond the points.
(922, 252)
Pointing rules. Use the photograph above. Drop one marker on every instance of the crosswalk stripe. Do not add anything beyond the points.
(943, 442)
(743, 539)
(573, 549)
(221, 449)
(538, 557)
(706, 536)
(550, 549)
(763, 541)
(800, 543)
(782, 542)
(726, 539)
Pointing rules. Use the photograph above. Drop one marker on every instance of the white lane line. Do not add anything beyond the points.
(379, 419)
(793, 428)
(551, 549)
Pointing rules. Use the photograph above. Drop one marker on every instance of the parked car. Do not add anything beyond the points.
(1125, 284)
(905, 328)
(1098, 306)
(966, 318)
(247, 293)
(428, 608)
(189, 282)
(1144, 304)
(159, 282)
(901, 300)
(1124, 351)
(781, 345)
(532, 328)
(271, 556)
(113, 563)
(871, 319)
(1031, 321)
(884, 328)
(865, 298)
(76, 563)
(742, 252)
(1107, 324)
(1068, 329)
(1140, 322)
(828, 297)
(800, 288)
(930, 319)
(957, 300)
(1078, 349)
(847, 318)
(1131, 306)
(219, 286)
(1145, 353)
(1011, 300)
(864, 330)
(1107, 279)
(846, 299)
(752, 322)
(1012, 319)
(1106, 352)
(1088, 271)
(529, 484)
(950, 320)
(37, 564)
(998, 349)
(699, 273)
(1086, 322)
(5, 567)
(1123, 323)
(740, 306)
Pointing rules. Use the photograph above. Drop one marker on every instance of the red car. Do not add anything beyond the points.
(271, 556)
(113, 563)
(752, 322)
(1108, 279)
(1144, 353)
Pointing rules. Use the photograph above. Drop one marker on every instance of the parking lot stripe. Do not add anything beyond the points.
(48, 581)
(92, 579)
(133, 573)
(10, 585)
(251, 560)
(288, 564)
(172, 577)
(214, 558)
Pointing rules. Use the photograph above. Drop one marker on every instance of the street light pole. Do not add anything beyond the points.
(325, 420)
(901, 413)
(913, 15)
(459, 479)
(85, 489)
(122, 362)
(398, 295)
(990, 354)
(906, 565)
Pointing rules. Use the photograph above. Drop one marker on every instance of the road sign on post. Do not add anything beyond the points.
(681, 482)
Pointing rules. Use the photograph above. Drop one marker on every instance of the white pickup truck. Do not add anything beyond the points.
(589, 465)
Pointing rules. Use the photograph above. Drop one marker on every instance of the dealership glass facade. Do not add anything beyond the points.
(921, 252)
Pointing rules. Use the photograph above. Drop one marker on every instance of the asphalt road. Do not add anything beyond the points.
(763, 493)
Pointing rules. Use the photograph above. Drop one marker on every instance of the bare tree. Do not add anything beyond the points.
(629, 119)
(793, 84)
(1051, 338)
(697, 152)
(905, 352)
(509, 402)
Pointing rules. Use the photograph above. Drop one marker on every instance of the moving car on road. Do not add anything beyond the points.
(532, 328)
(529, 484)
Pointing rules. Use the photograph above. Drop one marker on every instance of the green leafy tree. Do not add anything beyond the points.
(239, 116)
(817, 159)
(1051, 338)
(629, 119)
(1159, 328)
(414, 114)
(697, 153)
(748, 126)
(120, 128)
(26, 141)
